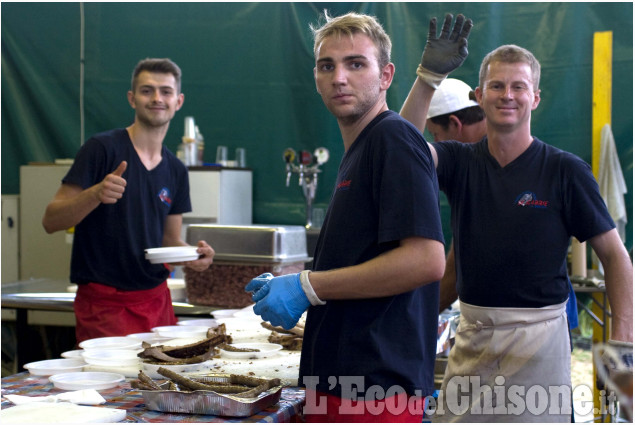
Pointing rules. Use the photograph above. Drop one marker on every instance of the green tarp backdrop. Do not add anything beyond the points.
(248, 81)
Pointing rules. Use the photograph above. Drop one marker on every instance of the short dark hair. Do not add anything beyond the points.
(467, 116)
(159, 65)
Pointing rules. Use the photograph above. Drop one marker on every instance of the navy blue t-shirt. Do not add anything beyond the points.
(109, 243)
(512, 225)
(386, 190)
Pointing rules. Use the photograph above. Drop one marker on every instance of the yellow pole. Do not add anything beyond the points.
(602, 85)
(601, 115)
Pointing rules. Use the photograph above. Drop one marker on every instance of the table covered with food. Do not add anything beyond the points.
(206, 370)
(122, 403)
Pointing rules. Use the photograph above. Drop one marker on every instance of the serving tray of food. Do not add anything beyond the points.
(209, 394)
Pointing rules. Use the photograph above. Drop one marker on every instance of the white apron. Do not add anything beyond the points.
(508, 365)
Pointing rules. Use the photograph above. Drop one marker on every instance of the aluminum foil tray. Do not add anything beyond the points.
(252, 243)
(209, 402)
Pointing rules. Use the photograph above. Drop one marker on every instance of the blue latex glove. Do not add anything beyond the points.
(279, 300)
(259, 286)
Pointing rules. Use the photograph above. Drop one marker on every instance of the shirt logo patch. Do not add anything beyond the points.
(344, 185)
(164, 196)
(529, 199)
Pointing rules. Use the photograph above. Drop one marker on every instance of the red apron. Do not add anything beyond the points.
(399, 408)
(102, 310)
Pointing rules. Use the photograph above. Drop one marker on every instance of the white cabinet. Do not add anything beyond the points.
(220, 195)
(41, 254)
(10, 234)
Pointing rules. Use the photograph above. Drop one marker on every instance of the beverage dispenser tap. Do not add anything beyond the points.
(307, 169)
(289, 157)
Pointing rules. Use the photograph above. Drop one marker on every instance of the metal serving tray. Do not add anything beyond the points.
(209, 402)
(252, 243)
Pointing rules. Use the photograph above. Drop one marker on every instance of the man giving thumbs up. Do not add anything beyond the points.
(125, 193)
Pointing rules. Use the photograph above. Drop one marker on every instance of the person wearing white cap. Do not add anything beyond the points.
(454, 113)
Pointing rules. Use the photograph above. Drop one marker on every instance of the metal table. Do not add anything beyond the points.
(591, 286)
(53, 295)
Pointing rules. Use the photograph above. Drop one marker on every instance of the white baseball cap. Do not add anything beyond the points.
(451, 96)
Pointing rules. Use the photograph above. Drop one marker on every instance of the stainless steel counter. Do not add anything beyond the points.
(46, 296)
(54, 295)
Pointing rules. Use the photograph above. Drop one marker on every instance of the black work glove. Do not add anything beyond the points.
(446, 53)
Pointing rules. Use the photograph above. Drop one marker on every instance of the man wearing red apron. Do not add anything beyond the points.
(125, 193)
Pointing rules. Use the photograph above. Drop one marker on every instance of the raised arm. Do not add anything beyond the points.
(441, 55)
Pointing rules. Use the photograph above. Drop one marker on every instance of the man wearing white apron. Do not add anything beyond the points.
(516, 201)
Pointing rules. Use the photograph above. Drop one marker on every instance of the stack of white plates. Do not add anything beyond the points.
(111, 357)
(264, 350)
(73, 354)
(55, 366)
(245, 330)
(222, 314)
(210, 323)
(86, 380)
(116, 342)
(151, 369)
(149, 337)
(247, 313)
(182, 331)
(172, 254)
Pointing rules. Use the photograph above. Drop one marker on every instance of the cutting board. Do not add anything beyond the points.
(57, 413)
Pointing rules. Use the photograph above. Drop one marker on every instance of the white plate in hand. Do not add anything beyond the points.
(172, 254)
(265, 350)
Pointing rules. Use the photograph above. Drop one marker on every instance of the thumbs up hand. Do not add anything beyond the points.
(113, 186)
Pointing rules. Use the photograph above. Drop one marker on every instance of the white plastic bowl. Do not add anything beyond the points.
(149, 337)
(210, 323)
(86, 380)
(112, 357)
(179, 342)
(265, 350)
(245, 330)
(110, 342)
(247, 313)
(182, 331)
(73, 354)
(152, 369)
(55, 366)
(221, 314)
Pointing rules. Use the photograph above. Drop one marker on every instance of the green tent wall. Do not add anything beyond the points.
(248, 82)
